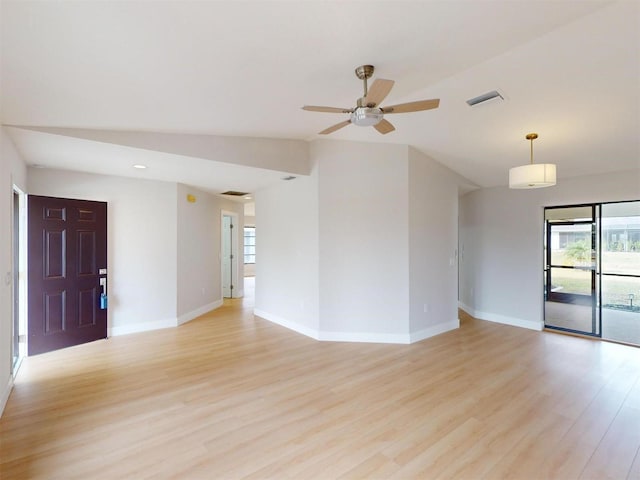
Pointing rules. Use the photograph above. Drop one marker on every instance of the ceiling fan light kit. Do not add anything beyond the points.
(533, 175)
(366, 117)
(367, 112)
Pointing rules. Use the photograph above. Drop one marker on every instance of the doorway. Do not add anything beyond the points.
(67, 285)
(229, 254)
(570, 270)
(18, 267)
(592, 270)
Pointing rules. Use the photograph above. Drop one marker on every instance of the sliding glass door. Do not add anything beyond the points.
(592, 270)
(620, 260)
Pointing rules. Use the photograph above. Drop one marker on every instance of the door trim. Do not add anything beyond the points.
(19, 271)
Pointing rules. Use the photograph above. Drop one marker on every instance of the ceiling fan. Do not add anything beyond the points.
(367, 112)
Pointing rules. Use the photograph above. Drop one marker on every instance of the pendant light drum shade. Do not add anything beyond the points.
(536, 175)
(533, 175)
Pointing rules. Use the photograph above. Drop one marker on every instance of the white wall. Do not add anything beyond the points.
(372, 233)
(13, 171)
(433, 244)
(501, 238)
(287, 248)
(199, 288)
(142, 243)
(364, 240)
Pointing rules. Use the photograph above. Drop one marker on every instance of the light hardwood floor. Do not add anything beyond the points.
(229, 395)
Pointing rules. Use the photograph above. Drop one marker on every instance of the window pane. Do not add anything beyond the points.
(621, 272)
(571, 245)
(249, 244)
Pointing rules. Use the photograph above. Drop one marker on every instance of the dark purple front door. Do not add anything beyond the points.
(67, 242)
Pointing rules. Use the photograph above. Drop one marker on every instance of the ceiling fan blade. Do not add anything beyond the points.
(313, 108)
(335, 127)
(384, 127)
(380, 88)
(412, 106)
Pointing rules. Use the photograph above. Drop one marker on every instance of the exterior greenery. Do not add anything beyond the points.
(579, 253)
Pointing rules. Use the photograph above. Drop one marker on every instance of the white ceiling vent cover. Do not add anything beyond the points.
(485, 97)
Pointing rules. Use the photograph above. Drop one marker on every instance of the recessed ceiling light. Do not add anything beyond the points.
(139, 166)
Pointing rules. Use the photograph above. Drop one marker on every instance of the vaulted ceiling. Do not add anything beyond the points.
(568, 70)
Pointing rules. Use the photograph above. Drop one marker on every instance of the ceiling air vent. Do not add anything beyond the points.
(485, 97)
(234, 193)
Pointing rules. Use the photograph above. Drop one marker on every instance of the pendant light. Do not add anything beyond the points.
(532, 175)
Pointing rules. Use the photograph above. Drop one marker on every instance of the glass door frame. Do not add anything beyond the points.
(596, 320)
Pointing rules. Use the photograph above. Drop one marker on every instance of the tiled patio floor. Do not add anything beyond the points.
(617, 325)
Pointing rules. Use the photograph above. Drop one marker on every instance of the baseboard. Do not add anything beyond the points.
(496, 318)
(5, 394)
(466, 308)
(359, 337)
(283, 322)
(365, 337)
(187, 317)
(142, 327)
(332, 336)
(434, 330)
(166, 323)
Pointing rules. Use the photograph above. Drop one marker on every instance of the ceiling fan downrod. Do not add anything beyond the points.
(364, 72)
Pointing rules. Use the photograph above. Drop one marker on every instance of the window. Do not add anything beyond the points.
(249, 244)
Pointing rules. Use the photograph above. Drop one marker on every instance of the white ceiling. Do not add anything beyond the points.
(569, 70)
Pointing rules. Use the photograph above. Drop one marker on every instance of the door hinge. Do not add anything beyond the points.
(231, 256)
(231, 288)
(231, 225)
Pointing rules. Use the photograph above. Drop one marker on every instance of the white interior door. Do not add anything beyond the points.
(229, 254)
